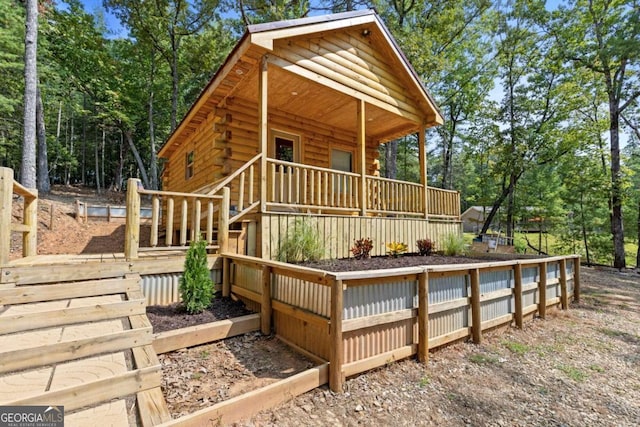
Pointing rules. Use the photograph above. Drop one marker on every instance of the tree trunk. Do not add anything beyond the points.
(136, 155)
(152, 135)
(44, 186)
(96, 153)
(174, 83)
(391, 159)
(617, 229)
(584, 232)
(638, 252)
(28, 168)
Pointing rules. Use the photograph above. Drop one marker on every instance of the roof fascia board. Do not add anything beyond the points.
(265, 39)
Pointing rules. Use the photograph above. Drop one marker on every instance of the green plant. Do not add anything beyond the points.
(424, 381)
(362, 248)
(453, 244)
(573, 372)
(481, 359)
(516, 347)
(425, 246)
(395, 249)
(196, 286)
(302, 243)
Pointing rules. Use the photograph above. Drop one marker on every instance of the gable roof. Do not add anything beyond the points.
(268, 38)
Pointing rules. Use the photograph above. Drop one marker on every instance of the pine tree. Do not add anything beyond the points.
(196, 286)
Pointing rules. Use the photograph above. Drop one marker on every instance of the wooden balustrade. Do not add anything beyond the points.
(29, 226)
(194, 210)
(443, 203)
(301, 186)
(390, 196)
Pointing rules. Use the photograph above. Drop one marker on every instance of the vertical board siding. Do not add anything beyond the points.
(309, 336)
(300, 293)
(362, 301)
(337, 233)
(491, 281)
(247, 277)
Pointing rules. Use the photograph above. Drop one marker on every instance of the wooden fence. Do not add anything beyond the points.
(188, 221)
(29, 225)
(361, 320)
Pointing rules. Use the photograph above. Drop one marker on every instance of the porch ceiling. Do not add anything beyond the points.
(302, 97)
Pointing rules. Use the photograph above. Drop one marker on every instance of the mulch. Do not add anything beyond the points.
(384, 262)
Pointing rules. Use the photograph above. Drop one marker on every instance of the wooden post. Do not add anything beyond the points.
(197, 208)
(265, 302)
(6, 200)
(263, 129)
(78, 217)
(476, 315)
(422, 149)
(183, 222)
(169, 222)
(542, 291)
(564, 297)
(52, 209)
(223, 221)
(132, 227)
(108, 213)
(30, 219)
(517, 289)
(423, 317)
(226, 278)
(576, 279)
(155, 220)
(362, 151)
(336, 352)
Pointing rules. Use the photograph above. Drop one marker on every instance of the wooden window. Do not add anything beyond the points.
(189, 165)
(284, 149)
(342, 161)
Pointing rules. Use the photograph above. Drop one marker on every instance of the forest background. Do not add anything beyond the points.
(540, 99)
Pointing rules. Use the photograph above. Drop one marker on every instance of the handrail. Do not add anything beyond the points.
(316, 168)
(29, 226)
(395, 181)
(178, 194)
(230, 178)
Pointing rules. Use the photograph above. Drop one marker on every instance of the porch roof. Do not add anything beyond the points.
(363, 62)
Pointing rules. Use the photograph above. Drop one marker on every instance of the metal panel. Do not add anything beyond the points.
(553, 270)
(444, 289)
(164, 289)
(530, 275)
(491, 281)
(529, 297)
(247, 277)
(448, 321)
(361, 301)
(300, 293)
(371, 341)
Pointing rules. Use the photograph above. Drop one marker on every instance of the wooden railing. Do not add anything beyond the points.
(29, 226)
(390, 196)
(443, 203)
(309, 187)
(243, 189)
(187, 220)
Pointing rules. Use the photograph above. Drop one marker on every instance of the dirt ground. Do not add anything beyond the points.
(575, 368)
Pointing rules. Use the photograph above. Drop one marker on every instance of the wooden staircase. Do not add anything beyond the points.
(83, 345)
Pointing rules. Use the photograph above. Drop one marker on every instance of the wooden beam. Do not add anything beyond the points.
(30, 220)
(265, 303)
(378, 319)
(517, 276)
(263, 129)
(132, 228)
(223, 221)
(354, 368)
(423, 317)
(362, 152)
(542, 290)
(6, 201)
(226, 277)
(564, 297)
(165, 342)
(576, 279)
(476, 315)
(336, 352)
(247, 405)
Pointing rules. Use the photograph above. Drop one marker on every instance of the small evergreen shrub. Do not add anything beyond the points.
(302, 243)
(362, 248)
(196, 286)
(395, 249)
(454, 244)
(425, 246)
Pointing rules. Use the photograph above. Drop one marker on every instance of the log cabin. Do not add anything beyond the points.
(292, 122)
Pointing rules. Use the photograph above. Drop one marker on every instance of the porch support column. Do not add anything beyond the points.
(363, 156)
(263, 130)
(422, 149)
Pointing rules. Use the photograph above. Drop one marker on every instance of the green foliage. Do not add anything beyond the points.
(453, 244)
(516, 347)
(302, 243)
(574, 373)
(483, 359)
(425, 246)
(196, 286)
(362, 248)
(395, 249)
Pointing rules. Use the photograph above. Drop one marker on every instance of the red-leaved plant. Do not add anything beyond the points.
(425, 246)
(362, 248)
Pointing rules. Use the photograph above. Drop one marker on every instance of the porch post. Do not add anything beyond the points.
(263, 130)
(363, 156)
(422, 149)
